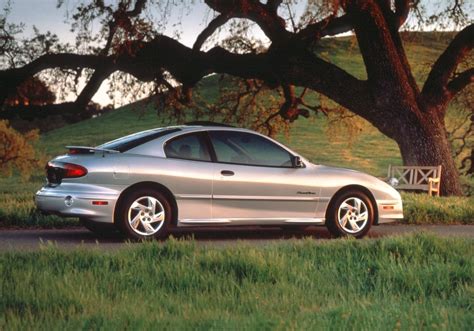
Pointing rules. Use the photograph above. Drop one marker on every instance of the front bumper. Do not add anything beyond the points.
(79, 198)
(389, 210)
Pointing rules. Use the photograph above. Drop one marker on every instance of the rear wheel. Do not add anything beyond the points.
(144, 214)
(351, 214)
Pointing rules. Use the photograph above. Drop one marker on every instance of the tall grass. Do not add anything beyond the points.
(412, 282)
(424, 209)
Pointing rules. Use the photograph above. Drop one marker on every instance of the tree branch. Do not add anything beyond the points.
(93, 85)
(329, 26)
(274, 4)
(435, 90)
(288, 108)
(137, 9)
(402, 9)
(330, 80)
(188, 67)
(104, 71)
(11, 78)
(267, 19)
(398, 16)
(217, 22)
(461, 81)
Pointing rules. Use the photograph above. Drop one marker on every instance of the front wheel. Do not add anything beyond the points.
(350, 215)
(144, 214)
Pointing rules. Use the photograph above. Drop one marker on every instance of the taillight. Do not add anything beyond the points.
(73, 170)
(56, 171)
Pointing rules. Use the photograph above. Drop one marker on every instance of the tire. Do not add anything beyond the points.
(101, 229)
(136, 219)
(346, 214)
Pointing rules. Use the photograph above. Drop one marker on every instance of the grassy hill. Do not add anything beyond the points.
(369, 151)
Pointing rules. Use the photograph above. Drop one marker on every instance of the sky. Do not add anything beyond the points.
(45, 16)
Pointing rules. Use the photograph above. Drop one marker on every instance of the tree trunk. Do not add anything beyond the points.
(424, 143)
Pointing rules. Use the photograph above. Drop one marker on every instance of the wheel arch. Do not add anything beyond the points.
(361, 188)
(150, 185)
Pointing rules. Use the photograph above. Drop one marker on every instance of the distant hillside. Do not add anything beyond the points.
(422, 49)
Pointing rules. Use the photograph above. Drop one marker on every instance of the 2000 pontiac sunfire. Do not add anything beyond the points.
(149, 182)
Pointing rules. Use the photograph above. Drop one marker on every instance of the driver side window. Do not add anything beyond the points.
(249, 149)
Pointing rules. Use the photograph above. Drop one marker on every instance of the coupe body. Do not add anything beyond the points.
(147, 183)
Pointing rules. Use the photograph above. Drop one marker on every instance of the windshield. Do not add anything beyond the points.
(131, 141)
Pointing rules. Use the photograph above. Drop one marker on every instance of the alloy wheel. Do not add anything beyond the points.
(353, 215)
(146, 216)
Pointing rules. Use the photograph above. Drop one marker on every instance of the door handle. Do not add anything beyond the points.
(227, 173)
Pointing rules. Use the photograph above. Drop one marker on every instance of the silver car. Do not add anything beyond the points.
(147, 183)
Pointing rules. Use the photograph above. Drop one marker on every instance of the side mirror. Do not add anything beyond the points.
(296, 162)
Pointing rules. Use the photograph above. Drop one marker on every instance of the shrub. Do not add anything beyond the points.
(17, 151)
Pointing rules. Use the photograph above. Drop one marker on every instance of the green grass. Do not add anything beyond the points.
(370, 151)
(413, 282)
(423, 209)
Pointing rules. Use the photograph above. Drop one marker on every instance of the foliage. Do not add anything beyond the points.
(32, 91)
(412, 282)
(9, 32)
(17, 151)
(246, 103)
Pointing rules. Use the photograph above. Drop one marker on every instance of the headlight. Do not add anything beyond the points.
(393, 182)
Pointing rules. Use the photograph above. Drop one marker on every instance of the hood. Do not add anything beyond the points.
(340, 177)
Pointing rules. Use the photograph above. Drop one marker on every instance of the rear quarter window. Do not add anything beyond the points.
(134, 140)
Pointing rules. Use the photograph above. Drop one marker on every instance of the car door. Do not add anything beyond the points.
(254, 180)
(191, 173)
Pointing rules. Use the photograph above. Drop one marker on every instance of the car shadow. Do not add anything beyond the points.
(208, 234)
(249, 233)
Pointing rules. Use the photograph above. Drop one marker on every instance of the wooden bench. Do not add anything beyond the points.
(424, 178)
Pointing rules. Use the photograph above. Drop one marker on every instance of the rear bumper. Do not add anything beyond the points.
(52, 200)
(389, 210)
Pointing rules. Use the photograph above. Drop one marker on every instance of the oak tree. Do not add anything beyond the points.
(390, 98)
